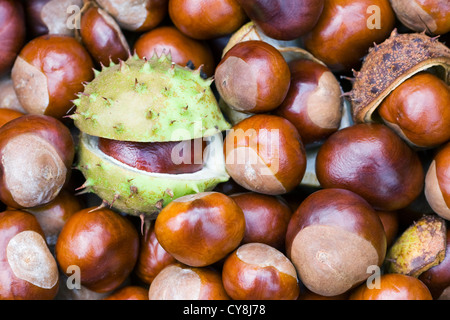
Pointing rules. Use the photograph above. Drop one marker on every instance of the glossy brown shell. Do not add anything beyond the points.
(389, 64)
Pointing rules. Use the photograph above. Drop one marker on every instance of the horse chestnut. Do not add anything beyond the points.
(200, 229)
(29, 271)
(415, 110)
(284, 19)
(206, 19)
(49, 72)
(102, 243)
(393, 287)
(374, 162)
(37, 153)
(332, 239)
(256, 271)
(12, 33)
(265, 154)
(181, 282)
(253, 77)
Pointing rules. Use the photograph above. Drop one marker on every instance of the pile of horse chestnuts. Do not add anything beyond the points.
(224, 150)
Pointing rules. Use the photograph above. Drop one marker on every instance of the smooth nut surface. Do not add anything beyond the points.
(253, 77)
(265, 154)
(437, 183)
(313, 103)
(200, 229)
(425, 15)
(393, 287)
(347, 29)
(374, 162)
(415, 110)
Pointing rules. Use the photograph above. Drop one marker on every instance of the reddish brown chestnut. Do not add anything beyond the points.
(256, 271)
(266, 218)
(332, 239)
(7, 115)
(283, 19)
(52, 16)
(102, 36)
(265, 154)
(129, 293)
(437, 278)
(157, 156)
(313, 103)
(181, 282)
(182, 49)
(393, 287)
(390, 220)
(206, 19)
(54, 215)
(347, 29)
(152, 256)
(374, 162)
(253, 77)
(29, 271)
(49, 72)
(416, 110)
(437, 182)
(37, 152)
(200, 229)
(12, 33)
(432, 16)
(141, 15)
(102, 243)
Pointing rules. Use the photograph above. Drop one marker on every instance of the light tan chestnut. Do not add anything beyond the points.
(36, 153)
(332, 239)
(28, 269)
(257, 271)
(181, 282)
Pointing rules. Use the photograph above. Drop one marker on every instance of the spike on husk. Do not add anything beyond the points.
(146, 100)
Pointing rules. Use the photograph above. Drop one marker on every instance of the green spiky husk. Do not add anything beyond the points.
(148, 101)
(135, 192)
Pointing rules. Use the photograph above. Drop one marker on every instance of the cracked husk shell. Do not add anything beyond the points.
(151, 100)
(419, 247)
(137, 192)
(391, 63)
